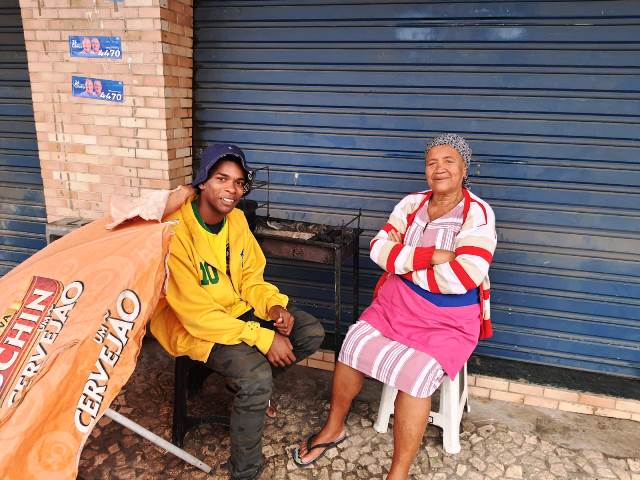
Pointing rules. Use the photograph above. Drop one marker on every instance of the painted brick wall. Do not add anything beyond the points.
(91, 149)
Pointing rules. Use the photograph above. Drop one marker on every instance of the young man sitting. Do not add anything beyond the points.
(216, 297)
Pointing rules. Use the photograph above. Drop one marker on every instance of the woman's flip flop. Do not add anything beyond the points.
(324, 446)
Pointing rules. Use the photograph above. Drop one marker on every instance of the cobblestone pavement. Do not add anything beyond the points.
(499, 440)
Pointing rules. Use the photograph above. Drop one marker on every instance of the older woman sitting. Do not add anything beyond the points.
(429, 310)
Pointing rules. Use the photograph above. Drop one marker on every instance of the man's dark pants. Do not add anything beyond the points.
(249, 374)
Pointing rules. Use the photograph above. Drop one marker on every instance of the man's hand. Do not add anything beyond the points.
(281, 352)
(282, 319)
(442, 256)
(177, 197)
(395, 236)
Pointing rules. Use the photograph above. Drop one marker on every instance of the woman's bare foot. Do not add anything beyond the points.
(397, 476)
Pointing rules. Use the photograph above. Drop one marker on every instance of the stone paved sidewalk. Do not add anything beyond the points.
(499, 440)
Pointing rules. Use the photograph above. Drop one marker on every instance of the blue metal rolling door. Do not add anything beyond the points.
(339, 99)
(22, 211)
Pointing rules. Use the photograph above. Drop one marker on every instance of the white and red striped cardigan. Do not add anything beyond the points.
(474, 247)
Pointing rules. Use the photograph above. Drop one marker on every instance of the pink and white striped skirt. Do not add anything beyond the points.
(405, 368)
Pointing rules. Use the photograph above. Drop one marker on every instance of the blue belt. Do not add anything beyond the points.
(472, 297)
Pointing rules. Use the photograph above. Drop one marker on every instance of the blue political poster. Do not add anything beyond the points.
(97, 88)
(95, 46)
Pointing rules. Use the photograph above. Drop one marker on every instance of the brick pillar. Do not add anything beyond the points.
(91, 149)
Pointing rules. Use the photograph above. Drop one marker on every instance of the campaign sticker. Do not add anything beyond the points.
(90, 46)
(98, 89)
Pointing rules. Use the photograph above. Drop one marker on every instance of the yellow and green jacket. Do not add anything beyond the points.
(202, 302)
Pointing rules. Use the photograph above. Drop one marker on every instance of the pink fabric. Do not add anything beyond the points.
(449, 334)
(390, 362)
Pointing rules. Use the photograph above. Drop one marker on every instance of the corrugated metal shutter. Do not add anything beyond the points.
(22, 211)
(340, 98)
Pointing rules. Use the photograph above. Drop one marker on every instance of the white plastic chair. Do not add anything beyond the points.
(454, 396)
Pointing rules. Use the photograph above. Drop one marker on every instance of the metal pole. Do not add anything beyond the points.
(356, 273)
(356, 268)
(155, 439)
(337, 283)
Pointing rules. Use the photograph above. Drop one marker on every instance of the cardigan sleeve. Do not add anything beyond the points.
(474, 248)
(396, 257)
